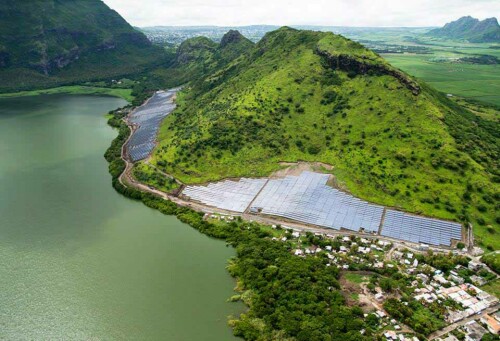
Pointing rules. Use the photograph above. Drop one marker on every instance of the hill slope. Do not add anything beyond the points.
(199, 57)
(49, 42)
(303, 95)
(471, 29)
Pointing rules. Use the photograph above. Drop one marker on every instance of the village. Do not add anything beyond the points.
(407, 293)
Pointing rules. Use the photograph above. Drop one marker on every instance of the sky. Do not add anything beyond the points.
(361, 13)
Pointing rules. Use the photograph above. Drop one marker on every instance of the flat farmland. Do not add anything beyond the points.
(480, 82)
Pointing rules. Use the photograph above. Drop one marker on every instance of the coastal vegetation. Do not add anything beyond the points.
(151, 176)
(288, 297)
(313, 96)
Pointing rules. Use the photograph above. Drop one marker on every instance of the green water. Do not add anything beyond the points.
(80, 262)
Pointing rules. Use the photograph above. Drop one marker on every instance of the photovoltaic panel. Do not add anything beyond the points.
(418, 229)
(308, 199)
(227, 195)
(147, 118)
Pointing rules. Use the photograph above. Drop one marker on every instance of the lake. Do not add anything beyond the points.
(80, 262)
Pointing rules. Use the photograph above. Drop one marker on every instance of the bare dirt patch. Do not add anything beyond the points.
(296, 168)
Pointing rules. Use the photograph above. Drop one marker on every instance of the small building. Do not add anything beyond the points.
(491, 323)
(391, 335)
(475, 266)
(423, 247)
(475, 331)
(455, 278)
(477, 280)
(440, 279)
(497, 316)
(383, 243)
(423, 277)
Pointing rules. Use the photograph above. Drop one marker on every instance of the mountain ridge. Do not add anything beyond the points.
(471, 29)
(67, 41)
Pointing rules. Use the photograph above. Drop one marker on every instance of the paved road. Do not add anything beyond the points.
(450, 327)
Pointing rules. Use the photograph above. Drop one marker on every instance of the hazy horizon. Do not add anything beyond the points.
(345, 13)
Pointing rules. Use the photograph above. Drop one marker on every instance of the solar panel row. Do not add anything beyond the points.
(417, 229)
(148, 118)
(227, 195)
(307, 198)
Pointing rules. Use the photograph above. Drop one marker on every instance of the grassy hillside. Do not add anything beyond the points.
(304, 95)
(45, 43)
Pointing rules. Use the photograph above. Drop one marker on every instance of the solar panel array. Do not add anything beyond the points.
(417, 229)
(148, 118)
(307, 198)
(227, 195)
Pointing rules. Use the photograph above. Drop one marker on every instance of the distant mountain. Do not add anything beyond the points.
(51, 42)
(471, 29)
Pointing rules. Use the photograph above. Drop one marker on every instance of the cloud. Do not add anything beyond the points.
(299, 12)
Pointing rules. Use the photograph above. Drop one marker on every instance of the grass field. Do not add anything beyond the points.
(355, 278)
(492, 287)
(75, 90)
(480, 82)
(437, 62)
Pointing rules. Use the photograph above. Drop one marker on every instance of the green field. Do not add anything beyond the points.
(355, 278)
(438, 62)
(76, 90)
(480, 82)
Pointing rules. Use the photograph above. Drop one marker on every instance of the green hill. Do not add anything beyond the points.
(199, 57)
(313, 96)
(471, 29)
(51, 42)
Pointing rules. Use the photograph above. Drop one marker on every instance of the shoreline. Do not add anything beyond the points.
(245, 232)
(124, 93)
